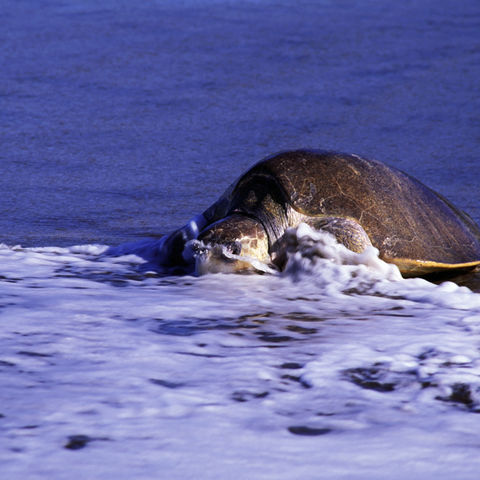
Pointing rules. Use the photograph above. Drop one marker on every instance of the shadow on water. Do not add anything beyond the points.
(264, 329)
(268, 327)
(193, 326)
(105, 276)
(470, 280)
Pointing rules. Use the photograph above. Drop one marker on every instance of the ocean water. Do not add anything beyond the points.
(120, 121)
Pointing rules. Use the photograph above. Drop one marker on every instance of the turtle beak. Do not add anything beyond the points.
(234, 244)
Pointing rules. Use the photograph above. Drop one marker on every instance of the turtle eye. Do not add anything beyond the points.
(234, 247)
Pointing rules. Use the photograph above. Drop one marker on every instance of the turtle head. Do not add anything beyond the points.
(236, 243)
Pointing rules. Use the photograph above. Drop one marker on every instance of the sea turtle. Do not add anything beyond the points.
(362, 202)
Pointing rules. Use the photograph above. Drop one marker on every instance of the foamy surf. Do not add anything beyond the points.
(335, 361)
(316, 257)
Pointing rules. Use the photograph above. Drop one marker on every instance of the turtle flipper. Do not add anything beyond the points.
(346, 230)
(170, 248)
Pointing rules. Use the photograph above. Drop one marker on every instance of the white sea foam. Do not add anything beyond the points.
(317, 254)
(334, 362)
(318, 258)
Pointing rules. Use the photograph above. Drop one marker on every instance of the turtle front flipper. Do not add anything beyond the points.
(170, 248)
(346, 230)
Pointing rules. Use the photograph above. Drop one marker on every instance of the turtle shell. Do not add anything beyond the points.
(410, 224)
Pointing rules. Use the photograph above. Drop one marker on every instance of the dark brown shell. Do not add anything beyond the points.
(403, 218)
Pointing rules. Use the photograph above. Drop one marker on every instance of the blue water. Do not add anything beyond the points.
(119, 121)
